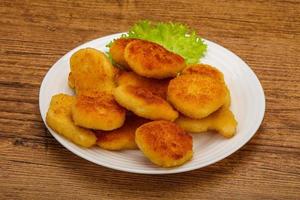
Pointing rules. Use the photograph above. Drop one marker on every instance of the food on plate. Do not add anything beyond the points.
(175, 37)
(144, 103)
(97, 110)
(121, 138)
(208, 70)
(91, 70)
(157, 87)
(222, 121)
(93, 76)
(151, 60)
(155, 77)
(59, 118)
(117, 51)
(164, 143)
(196, 96)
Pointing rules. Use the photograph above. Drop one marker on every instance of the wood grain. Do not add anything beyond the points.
(34, 34)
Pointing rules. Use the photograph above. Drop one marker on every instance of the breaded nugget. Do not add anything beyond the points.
(152, 60)
(97, 110)
(164, 143)
(60, 120)
(93, 77)
(157, 87)
(196, 96)
(208, 70)
(91, 62)
(117, 50)
(91, 70)
(222, 121)
(144, 103)
(121, 138)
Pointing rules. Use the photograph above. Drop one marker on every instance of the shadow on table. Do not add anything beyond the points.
(101, 178)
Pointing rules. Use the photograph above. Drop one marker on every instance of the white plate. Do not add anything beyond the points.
(248, 106)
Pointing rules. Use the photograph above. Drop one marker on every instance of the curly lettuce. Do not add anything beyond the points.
(175, 37)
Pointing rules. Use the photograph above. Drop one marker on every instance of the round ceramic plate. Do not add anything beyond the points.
(248, 106)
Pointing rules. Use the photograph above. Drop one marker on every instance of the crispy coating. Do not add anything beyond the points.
(152, 60)
(60, 120)
(222, 121)
(164, 143)
(144, 103)
(91, 70)
(71, 81)
(196, 96)
(97, 110)
(204, 69)
(117, 50)
(121, 138)
(208, 70)
(157, 87)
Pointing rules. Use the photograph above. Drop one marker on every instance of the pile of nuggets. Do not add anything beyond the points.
(151, 103)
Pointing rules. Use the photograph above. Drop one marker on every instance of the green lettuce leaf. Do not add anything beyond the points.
(175, 37)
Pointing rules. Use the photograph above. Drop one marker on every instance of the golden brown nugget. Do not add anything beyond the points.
(164, 143)
(97, 110)
(144, 103)
(59, 119)
(222, 121)
(117, 50)
(157, 87)
(91, 70)
(91, 62)
(152, 60)
(196, 96)
(93, 77)
(121, 138)
(208, 70)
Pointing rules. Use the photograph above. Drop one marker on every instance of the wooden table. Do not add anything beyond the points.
(34, 34)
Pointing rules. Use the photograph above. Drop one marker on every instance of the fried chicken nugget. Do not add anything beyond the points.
(91, 70)
(121, 138)
(117, 50)
(164, 143)
(144, 103)
(157, 87)
(196, 96)
(152, 60)
(97, 110)
(59, 118)
(93, 77)
(208, 70)
(222, 121)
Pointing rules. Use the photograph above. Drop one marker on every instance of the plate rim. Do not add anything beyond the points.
(167, 170)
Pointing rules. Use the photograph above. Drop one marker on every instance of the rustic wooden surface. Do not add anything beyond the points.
(34, 34)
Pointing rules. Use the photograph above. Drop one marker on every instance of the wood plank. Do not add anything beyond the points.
(35, 34)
